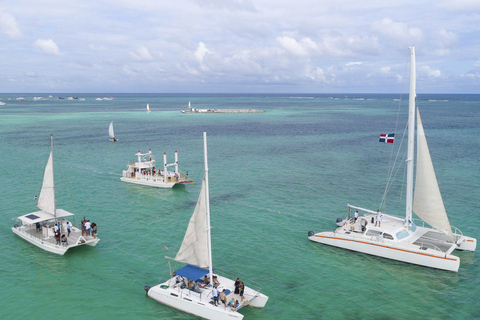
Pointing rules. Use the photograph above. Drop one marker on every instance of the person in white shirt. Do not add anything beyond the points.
(356, 215)
(215, 296)
(87, 227)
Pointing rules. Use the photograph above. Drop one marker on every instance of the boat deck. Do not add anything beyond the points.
(75, 238)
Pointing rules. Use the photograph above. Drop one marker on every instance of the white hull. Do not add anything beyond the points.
(200, 303)
(49, 244)
(158, 183)
(390, 250)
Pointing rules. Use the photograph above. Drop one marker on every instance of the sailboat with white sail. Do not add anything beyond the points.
(396, 238)
(111, 133)
(148, 107)
(40, 227)
(186, 289)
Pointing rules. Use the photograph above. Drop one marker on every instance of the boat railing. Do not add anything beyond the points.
(456, 231)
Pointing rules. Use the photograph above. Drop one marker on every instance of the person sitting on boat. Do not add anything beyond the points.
(64, 241)
(206, 280)
(215, 282)
(231, 304)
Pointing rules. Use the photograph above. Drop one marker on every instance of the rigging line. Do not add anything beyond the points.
(392, 166)
(57, 155)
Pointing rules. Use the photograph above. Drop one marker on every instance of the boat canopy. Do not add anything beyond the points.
(40, 216)
(192, 272)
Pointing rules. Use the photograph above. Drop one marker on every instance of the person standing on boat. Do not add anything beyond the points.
(83, 226)
(215, 296)
(87, 227)
(237, 286)
(356, 216)
(242, 288)
(223, 298)
(68, 229)
(378, 218)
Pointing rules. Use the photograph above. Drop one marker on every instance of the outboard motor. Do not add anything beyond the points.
(340, 222)
(146, 289)
(310, 233)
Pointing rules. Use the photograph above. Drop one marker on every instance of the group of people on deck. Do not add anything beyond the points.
(222, 295)
(61, 240)
(89, 228)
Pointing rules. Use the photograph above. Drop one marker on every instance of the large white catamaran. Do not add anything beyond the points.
(391, 237)
(186, 290)
(38, 227)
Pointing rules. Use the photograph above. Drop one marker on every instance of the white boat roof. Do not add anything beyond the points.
(40, 216)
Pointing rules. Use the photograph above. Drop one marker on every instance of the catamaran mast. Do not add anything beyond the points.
(207, 207)
(53, 180)
(411, 138)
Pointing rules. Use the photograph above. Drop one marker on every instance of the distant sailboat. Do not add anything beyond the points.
(148, 107)
(111, 133)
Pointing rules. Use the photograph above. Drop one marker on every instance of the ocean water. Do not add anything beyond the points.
(273, 177)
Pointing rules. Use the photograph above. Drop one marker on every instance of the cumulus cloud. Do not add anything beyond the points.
(200, 53)
(141, 54)
(47, 46)
(397, 33)
(304, 48)
(430, 72)
(8, 25)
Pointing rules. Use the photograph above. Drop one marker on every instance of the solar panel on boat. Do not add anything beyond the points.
(32, 217)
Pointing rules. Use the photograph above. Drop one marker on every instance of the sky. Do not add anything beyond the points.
(238, 46)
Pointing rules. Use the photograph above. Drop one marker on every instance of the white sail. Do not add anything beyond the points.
(427, 202)
(148, 107)
(46, 200)
(110, 131)
(194, 248)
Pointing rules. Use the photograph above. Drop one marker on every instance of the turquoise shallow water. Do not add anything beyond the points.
(273, 177)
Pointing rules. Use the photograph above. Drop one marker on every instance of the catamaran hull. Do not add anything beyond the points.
(467, 244)
(53, 248)
(389, 251)
(201, 309)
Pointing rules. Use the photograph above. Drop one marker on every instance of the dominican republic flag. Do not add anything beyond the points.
(387, 137)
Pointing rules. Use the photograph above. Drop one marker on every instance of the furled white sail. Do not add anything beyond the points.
(110, 130)
(427, 202)
(148, 107)
(46, 200)
(194, 248)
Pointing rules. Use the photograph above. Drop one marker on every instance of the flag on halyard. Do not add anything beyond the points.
(387, 137)
(35, 198)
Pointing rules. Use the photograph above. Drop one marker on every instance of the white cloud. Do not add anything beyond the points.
(397, 33)
(430, 72)
(142, 54)
(385, 69)
(47, 46)
(353, 64)
(9, 26)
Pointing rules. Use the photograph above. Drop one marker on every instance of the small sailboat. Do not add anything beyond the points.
(143, 171)
(148, 107)
(39, 227)
(396, 238)
(111, 133)
(186, 289)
